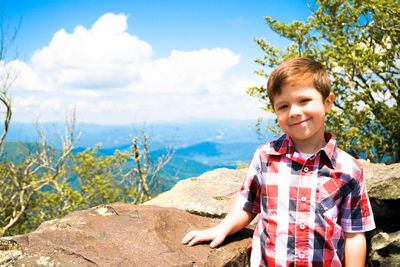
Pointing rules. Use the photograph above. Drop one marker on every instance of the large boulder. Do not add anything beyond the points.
(383, 181)
(146, 235)
(212, 194)
(383, 185)
(385, 249)
(121, 234)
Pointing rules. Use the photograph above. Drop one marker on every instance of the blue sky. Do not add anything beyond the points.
(118, 62)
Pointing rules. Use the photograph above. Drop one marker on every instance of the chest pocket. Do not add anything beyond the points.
(330, 195)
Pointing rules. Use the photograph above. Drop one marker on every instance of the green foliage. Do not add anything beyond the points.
(103, 179)
(35, 186)
(23, 187)
(96, 177)
(358, 42)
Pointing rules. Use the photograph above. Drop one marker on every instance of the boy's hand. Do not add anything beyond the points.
(212, 234)
(236, 219)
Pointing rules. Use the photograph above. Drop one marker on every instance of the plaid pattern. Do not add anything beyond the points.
(305, 206)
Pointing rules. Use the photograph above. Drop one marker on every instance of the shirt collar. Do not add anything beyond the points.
(284, 145)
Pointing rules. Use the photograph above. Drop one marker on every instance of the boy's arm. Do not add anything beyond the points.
(233, 222)
(355, 249)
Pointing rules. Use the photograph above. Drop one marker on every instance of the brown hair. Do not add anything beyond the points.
(299, 70)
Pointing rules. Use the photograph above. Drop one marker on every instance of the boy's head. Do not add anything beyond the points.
(298, 70)
(299, 91)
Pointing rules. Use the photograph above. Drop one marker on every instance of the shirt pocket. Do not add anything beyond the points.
(328, 197)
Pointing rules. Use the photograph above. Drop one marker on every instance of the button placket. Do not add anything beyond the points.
(303, 211)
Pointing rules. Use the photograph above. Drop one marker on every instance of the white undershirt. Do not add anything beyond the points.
(305, 156)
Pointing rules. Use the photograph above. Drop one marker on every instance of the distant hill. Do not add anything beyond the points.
(16, 151)
(180, 133)
(198, 145)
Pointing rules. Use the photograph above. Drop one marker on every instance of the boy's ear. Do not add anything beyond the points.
(329, 102)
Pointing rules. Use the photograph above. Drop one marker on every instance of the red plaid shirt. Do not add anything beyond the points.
(305, 206)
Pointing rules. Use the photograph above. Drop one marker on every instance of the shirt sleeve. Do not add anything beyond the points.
(249, 195)
(356, 212)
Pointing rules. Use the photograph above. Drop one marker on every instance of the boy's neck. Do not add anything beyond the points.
(309, 146)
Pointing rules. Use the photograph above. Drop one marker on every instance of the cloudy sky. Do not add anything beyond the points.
(119, 62)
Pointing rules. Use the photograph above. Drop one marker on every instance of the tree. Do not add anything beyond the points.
(35, 186)
(38, 188)
(358, 42)
(8, 74)
(131, 176)
(23, 183)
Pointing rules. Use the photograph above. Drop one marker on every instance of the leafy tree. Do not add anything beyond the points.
(358, 42)
(132, 176)
(25, 184)
(35, 185)
(38, 188)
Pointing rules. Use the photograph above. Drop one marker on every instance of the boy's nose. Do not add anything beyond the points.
(294, 111)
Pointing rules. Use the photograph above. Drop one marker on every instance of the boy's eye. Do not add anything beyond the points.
(282, 107)
(305, 100)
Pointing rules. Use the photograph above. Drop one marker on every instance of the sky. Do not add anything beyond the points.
(120, 62)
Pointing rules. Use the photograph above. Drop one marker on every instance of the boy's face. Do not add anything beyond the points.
(300, 111)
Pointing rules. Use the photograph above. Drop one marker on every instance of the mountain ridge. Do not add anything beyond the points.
(197, 146)
(176, 134)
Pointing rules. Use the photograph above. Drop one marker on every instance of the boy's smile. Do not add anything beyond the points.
(300, 111)
(299, 123)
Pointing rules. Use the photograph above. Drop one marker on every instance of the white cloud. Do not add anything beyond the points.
(186, 72)
(105, 56)
(110, 76)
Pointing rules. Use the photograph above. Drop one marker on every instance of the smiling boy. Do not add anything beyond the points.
(311, 195)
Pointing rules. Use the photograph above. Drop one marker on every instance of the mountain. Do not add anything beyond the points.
(198, 145)
(181, 133)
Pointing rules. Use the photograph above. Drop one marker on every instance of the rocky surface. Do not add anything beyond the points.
(383, 181)
(122, 235)
(385, 249)
(383, 185)
(212, 194)
(146, 235)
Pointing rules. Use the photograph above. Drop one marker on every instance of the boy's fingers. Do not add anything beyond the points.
(197, 239)
(217, 241)
(189, 236)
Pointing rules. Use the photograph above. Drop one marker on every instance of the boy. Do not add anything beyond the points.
(311, 195)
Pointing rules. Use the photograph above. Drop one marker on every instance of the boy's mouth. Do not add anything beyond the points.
(298, 123)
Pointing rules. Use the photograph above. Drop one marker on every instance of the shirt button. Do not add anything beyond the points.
(302, 226)
(301, 256)
(303, 198)
(305, 169)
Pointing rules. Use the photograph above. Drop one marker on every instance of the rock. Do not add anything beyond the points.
(383, 186)
(212, 194)
(385, 249)
(121, 234)
(383, 181)
(128, 235)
